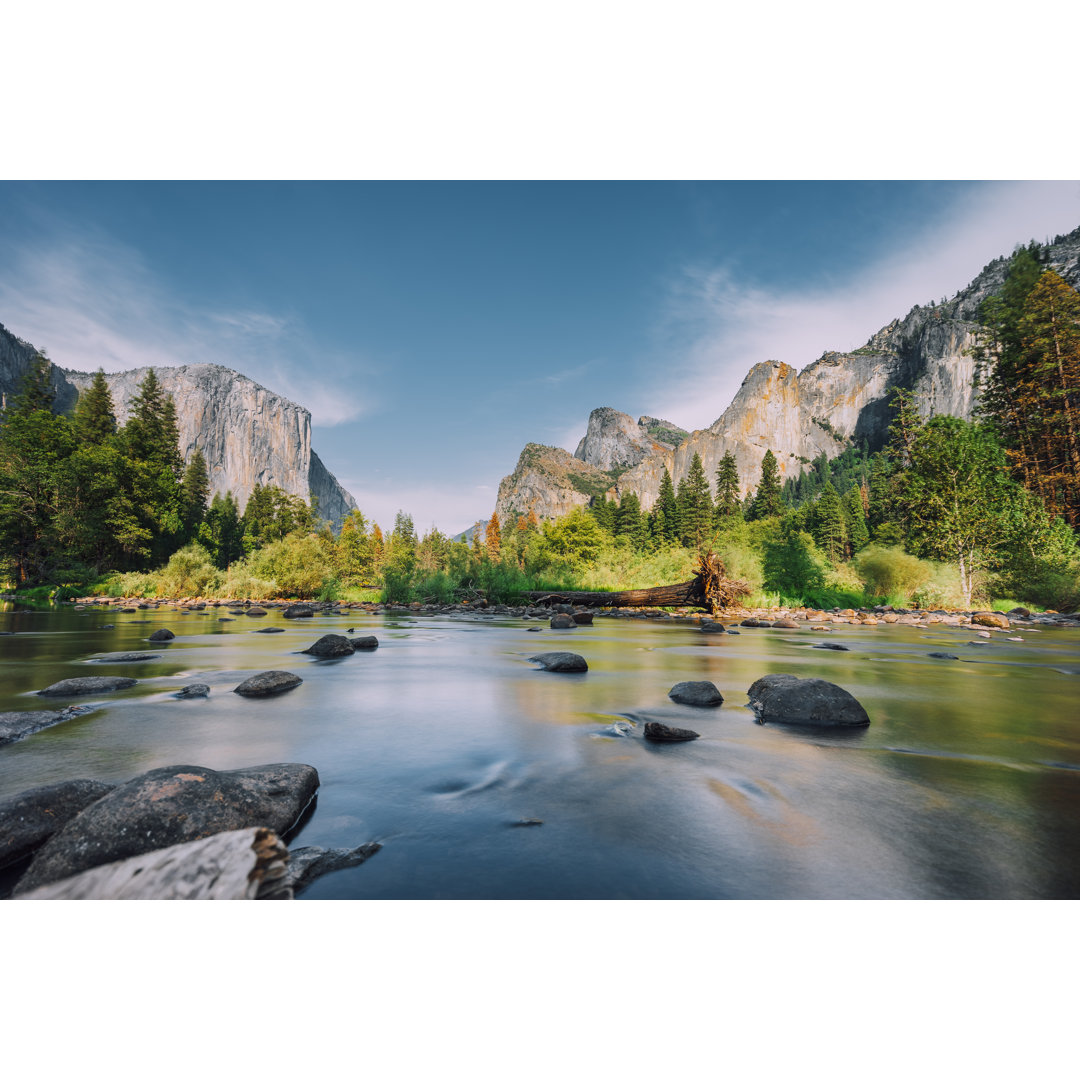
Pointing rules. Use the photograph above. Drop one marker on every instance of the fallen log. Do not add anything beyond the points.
(710, 588)
(245, 864)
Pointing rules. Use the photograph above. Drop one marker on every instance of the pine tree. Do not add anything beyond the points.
(695, 506)
(728, 504)
(855, 521)
(630, 523)
(221, 532)
(604, 512)
(665, 513)
(767, 501)
(95, 420)
(354, 549)
(36, 393)
(194, 494)
(493, 537)
(827, 522)
(378, 546)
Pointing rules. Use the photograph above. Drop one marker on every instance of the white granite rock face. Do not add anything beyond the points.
(835, 402)
(247, 433)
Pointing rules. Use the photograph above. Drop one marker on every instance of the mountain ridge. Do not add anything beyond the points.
(835, 401)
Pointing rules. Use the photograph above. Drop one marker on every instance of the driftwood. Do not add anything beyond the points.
(245, 864)
(710, 588)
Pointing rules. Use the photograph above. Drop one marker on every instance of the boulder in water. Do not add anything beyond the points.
(368, 641)
(268, 682)
(560, 661)
(787, 699)
(702, 693)
(171, 806)
(17, 725)
(90, 684)
(28, 819)
(562, 621)
(161, 635)
(991, 618)
(298, 611)
(308, 863)
(192, 690)
(330, 646)
(658, 732)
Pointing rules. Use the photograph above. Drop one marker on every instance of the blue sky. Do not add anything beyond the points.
(434, 328)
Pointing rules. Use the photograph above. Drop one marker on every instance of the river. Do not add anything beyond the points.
(441, 742)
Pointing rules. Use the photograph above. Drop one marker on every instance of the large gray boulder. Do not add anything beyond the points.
(266, 683)
(298, 611)
(560, 661)
(562, 621)
(89, 684)
(17, 725)
(161, 635)
(331, 645)
(787, 699)
(171, 806)
(28, 819)
(703, 693)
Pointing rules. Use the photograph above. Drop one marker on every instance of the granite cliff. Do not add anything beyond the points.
(839, 400)
(247, 434)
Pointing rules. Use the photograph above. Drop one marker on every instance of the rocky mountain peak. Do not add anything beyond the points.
(614, 441)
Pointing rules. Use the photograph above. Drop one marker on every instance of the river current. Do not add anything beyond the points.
(443, 742)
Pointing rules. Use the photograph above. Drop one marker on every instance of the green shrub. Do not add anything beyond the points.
(890, 571)
(298, 564)
(133, 583)
(190, 572)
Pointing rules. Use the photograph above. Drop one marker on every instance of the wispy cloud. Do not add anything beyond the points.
(716, 326)
(92, 302)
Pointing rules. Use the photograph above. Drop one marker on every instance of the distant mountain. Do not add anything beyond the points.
(247, 434)
(835, 402)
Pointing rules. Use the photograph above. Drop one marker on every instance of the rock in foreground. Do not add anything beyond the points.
(90, 684)
(28, 819)
(331, 645)
(658, 732)
(560, 661)
(703, 693)
(787, 699)
(268, 682)
(171, 806)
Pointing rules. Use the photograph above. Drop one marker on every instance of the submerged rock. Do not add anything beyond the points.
(368, 641)
(28, 819)
(171, 806)
(308, 863)
(703, 693)
(658, 732)
(268, 682)
(161, 635)
(329, 646)
(835, 646)
(943, 656)
(255, 612)
(89, 684)
(17, 725)
(125, 658)
(787, 699)
(560, 661)
(270, 630)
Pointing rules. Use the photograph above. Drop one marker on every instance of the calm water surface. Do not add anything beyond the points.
(966, 784)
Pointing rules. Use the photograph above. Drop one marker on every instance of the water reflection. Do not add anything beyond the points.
(966, 784)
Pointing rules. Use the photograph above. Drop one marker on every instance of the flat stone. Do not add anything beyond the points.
(255, 612)
(90, 684)
(28, 819)
(787, 699)
(125, 657)
(271, 630)
(171, 806)
(833, 645)
(368, 641)
(658, 732)
(161, 635)
(943, 656)
(192, 690)
(703, 693)
(560, 661)
(331, 645)
(991, 618)
(17, 725)
(267, 683)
